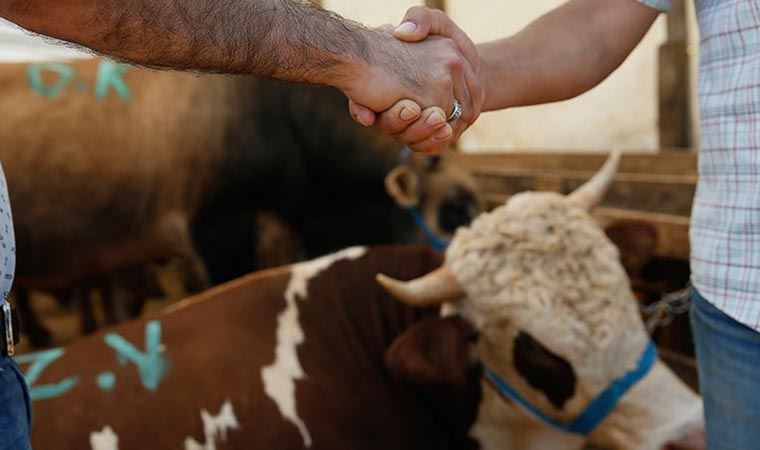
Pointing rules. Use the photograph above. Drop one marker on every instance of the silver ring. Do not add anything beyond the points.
(457, 113)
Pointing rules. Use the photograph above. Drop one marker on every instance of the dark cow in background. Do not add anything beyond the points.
(112, 168)
(315, 355)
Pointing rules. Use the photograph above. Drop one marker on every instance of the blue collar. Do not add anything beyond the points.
(414, 212)
(597, 410)
(434, 241)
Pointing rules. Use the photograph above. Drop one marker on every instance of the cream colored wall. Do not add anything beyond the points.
(621, 112)
(371, 12)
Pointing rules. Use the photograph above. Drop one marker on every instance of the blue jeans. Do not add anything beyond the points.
(728, 358)
(15, 407)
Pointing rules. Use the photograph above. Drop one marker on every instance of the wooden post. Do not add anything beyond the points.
(675, 83)
(437, 4)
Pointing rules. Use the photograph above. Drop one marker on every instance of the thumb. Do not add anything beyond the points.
(416, 24)
(361, 114)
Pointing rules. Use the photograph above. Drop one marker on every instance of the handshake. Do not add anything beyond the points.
(421, 82)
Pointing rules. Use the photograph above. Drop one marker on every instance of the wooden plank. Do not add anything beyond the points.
(665, 162)
(658, 193)
(672, 230)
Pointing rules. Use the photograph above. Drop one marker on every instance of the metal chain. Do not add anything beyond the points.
(662, 312)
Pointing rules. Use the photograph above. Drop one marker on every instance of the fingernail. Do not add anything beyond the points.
(435, 119)
(407, 114)
(360, 120)
(406, 28)
(444, 133)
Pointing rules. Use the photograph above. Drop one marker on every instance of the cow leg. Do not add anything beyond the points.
(194, 276)
(86, 310)
(39, 336)
(277, 243)
(175, 230)
(109, 300)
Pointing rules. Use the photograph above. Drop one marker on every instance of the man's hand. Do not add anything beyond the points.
(432, 72)
(405, 120)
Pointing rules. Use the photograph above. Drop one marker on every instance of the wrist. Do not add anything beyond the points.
(501, 75)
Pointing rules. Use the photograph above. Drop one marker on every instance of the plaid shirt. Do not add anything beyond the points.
(7, 242)
(725, 225)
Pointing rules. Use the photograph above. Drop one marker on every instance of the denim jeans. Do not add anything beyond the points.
(728, 358)
(15, 407)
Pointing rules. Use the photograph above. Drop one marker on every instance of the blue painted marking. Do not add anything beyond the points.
(111, 75)
(151, 364)
(34, 75)
(39, 362)
(106, 381)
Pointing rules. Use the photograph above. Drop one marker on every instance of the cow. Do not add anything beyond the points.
(317, 356)
(111, 167)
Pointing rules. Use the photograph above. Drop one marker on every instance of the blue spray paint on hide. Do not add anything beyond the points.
(151, 364)
(106, 381)
(34, 75)
(39, 362)
(111, 75)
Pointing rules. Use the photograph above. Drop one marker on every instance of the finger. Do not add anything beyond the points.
(461, 92)
(430, 122)
(399, 117)
(420, 22)
(416, 24)
(436, 143)
(361, 114)
(475, 92)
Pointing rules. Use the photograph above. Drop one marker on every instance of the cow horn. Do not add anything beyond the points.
(592, 192)
(435, 288)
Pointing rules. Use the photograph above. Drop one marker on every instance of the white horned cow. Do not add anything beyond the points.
(317, 355)
(558, 328)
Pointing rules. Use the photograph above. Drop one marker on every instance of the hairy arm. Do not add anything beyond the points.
(290, 40)
(282, 39)
(563, 53)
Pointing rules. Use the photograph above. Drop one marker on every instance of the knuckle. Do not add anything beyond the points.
(445, 83)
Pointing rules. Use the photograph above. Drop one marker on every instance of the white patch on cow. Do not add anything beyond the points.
(279, 378)
(105, 439)
(214, 428)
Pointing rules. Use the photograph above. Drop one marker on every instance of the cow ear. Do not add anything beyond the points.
(435, 350)
(402, 184)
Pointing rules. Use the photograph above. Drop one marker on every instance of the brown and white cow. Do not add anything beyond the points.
(299, 357)
(111, 167)
(288, 358)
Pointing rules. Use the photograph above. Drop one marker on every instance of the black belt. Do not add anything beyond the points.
(9, 329)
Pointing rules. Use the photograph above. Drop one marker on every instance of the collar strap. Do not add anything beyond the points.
(598, 409)
(434, 241)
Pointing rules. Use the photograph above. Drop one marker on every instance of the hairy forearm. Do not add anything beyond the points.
(564, 53)
(283, 39)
